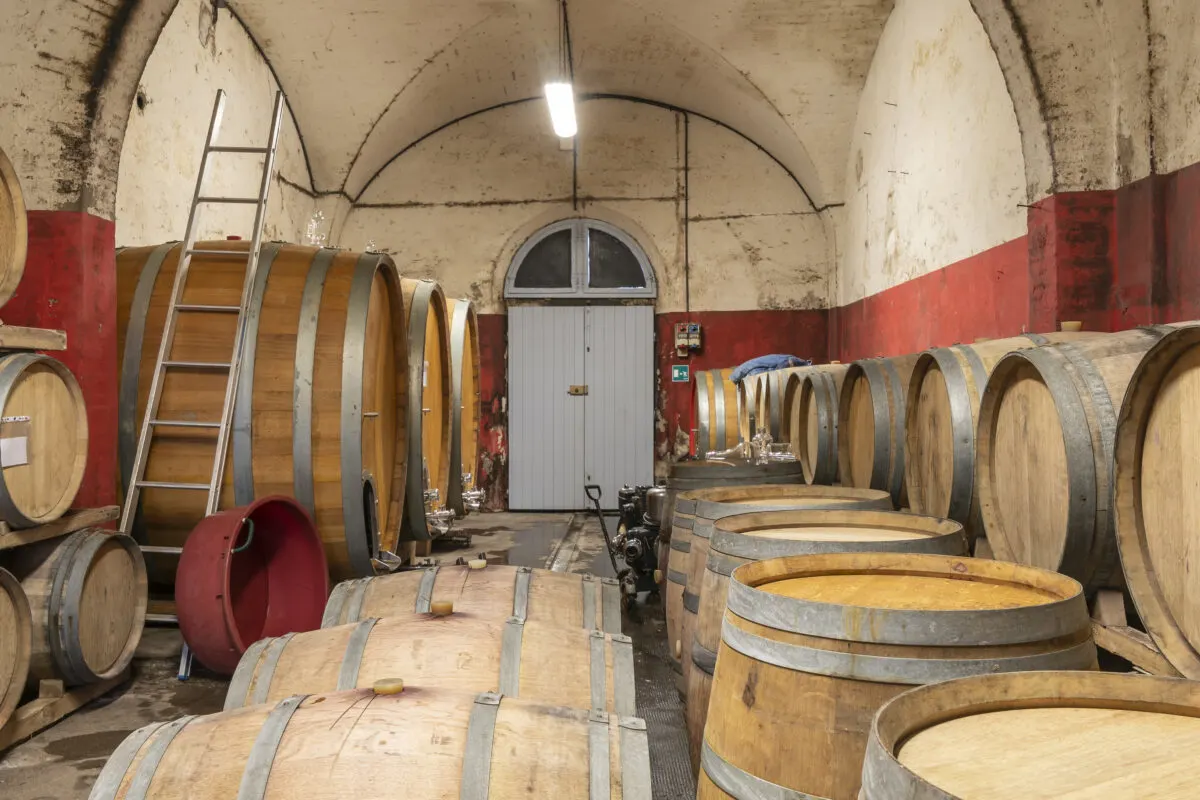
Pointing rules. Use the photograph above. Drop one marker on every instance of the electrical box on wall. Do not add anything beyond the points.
(687, 338)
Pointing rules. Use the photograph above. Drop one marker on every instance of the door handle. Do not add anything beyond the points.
(577, 390)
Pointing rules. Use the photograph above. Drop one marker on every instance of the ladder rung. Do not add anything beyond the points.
(222, 149)
(179, 423)
(213, 309)
(164, 551)
(198, 251)
(244, 200)
(172, 485)
(198, 364)
(170, 619)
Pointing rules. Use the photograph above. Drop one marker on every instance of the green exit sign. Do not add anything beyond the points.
(680, 373)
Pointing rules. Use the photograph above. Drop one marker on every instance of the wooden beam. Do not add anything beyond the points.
(69, 523)
(45, 711)
(1135, 647)
(13, 337)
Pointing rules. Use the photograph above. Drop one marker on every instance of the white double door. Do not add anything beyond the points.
(581, 403)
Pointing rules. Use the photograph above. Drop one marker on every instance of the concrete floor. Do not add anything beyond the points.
(62, 762)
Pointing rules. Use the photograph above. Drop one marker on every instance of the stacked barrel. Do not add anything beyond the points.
(472, 681)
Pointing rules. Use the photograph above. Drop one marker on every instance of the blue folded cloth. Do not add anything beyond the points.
(767, 364)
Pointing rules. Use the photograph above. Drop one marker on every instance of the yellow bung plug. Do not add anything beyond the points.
(388, 686)
(441, 608)
(477, 563)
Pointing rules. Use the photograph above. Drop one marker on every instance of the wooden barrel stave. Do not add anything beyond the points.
(87, 601)
(438, 742)
(465, 404)
(884, 622)
(16, 632)
(1044, 486)
(814, 413)
(871, 415)
(570, 667)
(44, 408)
(495, 592)
(319, 409)
(14, 230)
(736, 541)
(1046, 734)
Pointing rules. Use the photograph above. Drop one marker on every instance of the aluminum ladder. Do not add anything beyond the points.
(151, 421)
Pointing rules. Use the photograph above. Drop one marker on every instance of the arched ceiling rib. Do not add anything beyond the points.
(371, 78)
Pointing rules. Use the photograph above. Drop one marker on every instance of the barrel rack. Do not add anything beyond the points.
(1113, 633)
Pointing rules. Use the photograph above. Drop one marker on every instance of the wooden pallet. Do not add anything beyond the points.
(68, 523)
(14, 337)
(53, 703)
(1112, 632)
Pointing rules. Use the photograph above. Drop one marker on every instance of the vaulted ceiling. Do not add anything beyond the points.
(375, 76)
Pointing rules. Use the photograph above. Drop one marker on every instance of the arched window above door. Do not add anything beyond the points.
(580, 258)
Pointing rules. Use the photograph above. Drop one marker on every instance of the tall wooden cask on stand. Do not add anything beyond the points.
(14, 230)
(1155, 499)
(688, 476)
(811, 400)
(1044, 456)
(706, 506)
(1100, 736)
(758, 535)
(871, 414)
(372, 744)
(320, 411)
(465, 404)
(942, 415)
(848, 632)
(429, 387)
(714, 411)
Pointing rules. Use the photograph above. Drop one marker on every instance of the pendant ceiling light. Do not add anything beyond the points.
(560, 93)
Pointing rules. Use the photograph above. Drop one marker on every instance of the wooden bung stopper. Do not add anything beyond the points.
(441, 608)
(477, 563)
(1072, 325)
(388, 686)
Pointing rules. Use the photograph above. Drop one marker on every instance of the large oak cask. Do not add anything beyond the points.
(811, 400)
(16, 631)
(848, 632)
(465, 403)
(871, 415)
(714, 411)
(14, 230)
(321, 401)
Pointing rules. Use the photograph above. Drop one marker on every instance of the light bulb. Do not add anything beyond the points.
(561, 99)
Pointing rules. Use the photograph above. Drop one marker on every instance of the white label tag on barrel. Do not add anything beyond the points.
(425, 375)
(14, 441)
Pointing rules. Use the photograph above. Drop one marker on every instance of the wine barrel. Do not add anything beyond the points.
(14, 230)
(812, 404)
(1039, 734)
(494, 592)
(748, 408)
(16, 631)
(943, 411)
(570, 667)
(465, 407)
(87, 600)
(755, 536)
(1154, 497)
(428, 421)
(714, 411)
(319, 410)
(848, 632)
(706, 506)
(44, 427)
(1047, 421)
(871, 414)
(773, 401)
(688, 476)
(371, 744)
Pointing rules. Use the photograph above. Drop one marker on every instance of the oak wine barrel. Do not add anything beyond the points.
(1047, 422)
(1154, 495)
(16, 632)
(494, 592)
(87, 600)
(14, 230)
(570, 667)
(847, 632)
(706, 506)
(465, 404)
(319, 410)
(943, 412)
(871, 414)
(429, 420)
(754, 536)
(812, 403)
(714, 411)
(749, 407)
(43, 423)
(773, 401)
(372, 744)
(1084, 735)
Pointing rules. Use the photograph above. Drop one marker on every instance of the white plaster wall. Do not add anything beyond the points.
(458, 205)
(935, 172)
(1175, 60)
(164, 140)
